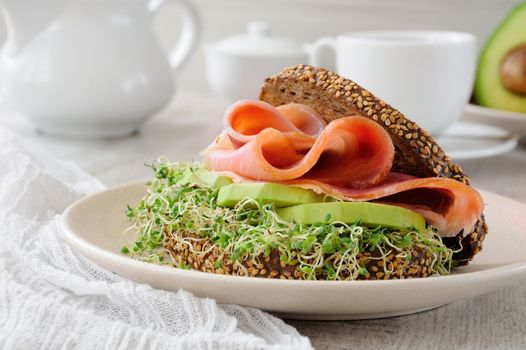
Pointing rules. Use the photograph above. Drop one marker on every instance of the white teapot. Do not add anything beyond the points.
(89, 68)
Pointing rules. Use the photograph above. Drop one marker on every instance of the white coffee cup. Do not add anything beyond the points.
(427, 75)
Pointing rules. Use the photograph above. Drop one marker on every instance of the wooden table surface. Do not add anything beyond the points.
(493, 321)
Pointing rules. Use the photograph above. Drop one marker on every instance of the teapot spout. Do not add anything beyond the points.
(25, 19)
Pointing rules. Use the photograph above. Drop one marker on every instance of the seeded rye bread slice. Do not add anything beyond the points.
(203, 255)
(416, 152)
(335, 97)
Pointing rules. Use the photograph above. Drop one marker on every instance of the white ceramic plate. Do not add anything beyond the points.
(466, 140)
(94, 226)
(512, 121)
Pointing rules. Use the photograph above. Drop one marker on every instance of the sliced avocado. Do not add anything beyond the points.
(204, 177)
(370, 214)
(266, 192)
(501, 75)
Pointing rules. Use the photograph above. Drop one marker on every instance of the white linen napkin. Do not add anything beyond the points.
(53, 298)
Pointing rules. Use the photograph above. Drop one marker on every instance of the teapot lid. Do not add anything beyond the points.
(258, 40)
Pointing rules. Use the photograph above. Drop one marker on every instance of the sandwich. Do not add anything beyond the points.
(317, 180)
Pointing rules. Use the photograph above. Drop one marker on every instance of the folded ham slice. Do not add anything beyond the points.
(246, 118)
(288, 143)
(350, 159)
(447, 204)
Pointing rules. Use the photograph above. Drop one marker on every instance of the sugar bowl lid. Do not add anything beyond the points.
(258, 40)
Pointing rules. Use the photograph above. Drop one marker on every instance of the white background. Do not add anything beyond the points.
(307, 20)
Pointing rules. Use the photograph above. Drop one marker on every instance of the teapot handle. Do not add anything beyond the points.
(190, 32)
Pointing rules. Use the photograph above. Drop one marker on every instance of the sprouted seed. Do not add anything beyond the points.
(250, 230)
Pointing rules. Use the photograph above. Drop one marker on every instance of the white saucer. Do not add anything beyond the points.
(466, 140)
(512, 121)
(94, 226)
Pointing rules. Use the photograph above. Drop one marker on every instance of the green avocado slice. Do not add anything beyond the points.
(204, 177)
(501, 74)
(370, 214)
(266, 192)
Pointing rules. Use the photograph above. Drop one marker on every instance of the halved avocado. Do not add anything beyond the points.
(204, 177)
(266, 192)
(370, 214)
(501, 75)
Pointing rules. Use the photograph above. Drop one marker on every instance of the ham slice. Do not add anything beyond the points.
(450, 206)
(349, 159)
(246, 118)
(288, 143)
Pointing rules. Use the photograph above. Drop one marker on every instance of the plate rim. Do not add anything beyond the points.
(494, 113)
(503, 147)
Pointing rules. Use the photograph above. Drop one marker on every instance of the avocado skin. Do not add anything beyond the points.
(266, 193)
(204, 177)
(370, 214)
(489, 89)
